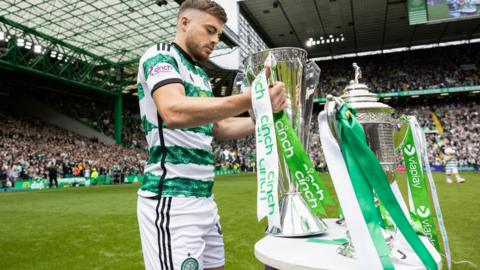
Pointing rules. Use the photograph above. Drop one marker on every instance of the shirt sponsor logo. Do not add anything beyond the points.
(160, 68)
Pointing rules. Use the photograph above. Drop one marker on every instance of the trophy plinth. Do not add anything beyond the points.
(300, 78)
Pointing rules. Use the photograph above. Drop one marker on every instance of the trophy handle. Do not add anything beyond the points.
(240, 83)
(331, 108)
(312, 76)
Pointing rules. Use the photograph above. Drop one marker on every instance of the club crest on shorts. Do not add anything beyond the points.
(190, 264)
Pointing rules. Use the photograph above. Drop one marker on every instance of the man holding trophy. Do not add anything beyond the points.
(177, 216)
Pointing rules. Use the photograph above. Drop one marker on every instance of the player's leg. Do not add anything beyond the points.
(214, 255)
(457, 176)
(448, 174)
(172, 232)
(147, 220)
(168, 238)
(194, 220)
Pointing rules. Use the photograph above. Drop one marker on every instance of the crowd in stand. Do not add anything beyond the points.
(460, 121)
(461, 125)
(413, 70)
(29, 147)
(133, 135)
(237, 154)
(98, 115)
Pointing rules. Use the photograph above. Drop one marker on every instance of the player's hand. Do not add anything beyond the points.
(278, 97)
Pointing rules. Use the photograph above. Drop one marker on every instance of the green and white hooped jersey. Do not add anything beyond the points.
(451, 158)
(182, 159)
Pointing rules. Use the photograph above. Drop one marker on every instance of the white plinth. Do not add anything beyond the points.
(302, 254)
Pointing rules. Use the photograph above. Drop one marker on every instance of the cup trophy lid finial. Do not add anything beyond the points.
(358, 94)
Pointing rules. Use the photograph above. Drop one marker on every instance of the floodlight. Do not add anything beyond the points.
(37, 48)
(20, 42)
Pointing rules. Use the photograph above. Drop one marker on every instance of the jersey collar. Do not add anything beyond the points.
(185, 54)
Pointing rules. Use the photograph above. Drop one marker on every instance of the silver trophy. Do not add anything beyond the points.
(300, 78)
(376, 119)
(378, 123)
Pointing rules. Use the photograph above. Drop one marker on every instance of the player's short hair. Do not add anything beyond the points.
(208, 6)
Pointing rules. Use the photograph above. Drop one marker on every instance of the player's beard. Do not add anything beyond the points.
(196, 48)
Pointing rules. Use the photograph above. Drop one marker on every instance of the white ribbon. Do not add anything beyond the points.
(421, 145)
(267, 155)
(356, 224)
(401, 201)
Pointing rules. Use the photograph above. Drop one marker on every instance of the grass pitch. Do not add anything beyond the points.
(96, 227)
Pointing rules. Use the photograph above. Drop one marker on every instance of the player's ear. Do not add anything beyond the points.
(183, 22)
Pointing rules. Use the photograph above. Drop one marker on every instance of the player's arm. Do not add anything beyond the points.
(233, 128)
(180, 111)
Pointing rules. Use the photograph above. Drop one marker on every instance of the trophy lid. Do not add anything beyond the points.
(358, 95)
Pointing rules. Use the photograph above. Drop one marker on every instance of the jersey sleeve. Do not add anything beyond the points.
(160, 70)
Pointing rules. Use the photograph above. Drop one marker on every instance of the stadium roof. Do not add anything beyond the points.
(364, 25)
(93, 43)
(116, 30)
(97, 43)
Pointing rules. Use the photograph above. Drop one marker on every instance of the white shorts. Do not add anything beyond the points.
(181, 233)
(450, 170)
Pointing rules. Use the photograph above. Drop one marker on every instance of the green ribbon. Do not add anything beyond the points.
(387, 220)
(338, 241)
(367, 175)
(423, 213)
(301, 168)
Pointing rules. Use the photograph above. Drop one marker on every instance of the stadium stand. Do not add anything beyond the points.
(414, 70)
(97, 114)
(28, 145)
(461, 124)
(411, 70)
(460, 120)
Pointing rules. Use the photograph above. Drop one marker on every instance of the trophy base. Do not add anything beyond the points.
(296, 218)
